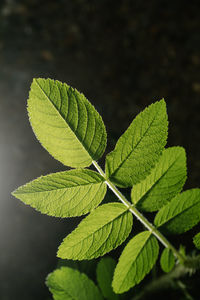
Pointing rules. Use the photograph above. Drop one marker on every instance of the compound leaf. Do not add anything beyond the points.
(65, 194)
(102, 231)
(69, 284)
(136, 260)
(167, 260)
(196, 240)
(140, 147)
(65, 123)
(181, 214)
(165, 181)
(105, 270)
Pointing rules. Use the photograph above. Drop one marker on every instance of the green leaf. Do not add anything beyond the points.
(105, 270)
(192, 262)
(87, 267)
(102, 231)
(136, 260)
(165, 181)
(196, 240)
(65, 194)
(69, 284)
(140, 147)
(181, 214)
(167, 260)
(65, 123)
(182, 250)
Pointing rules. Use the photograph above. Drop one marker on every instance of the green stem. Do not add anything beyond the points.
(139, 216)
(165, 282)
(183, 288)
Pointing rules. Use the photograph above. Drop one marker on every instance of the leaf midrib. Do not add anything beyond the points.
(91, 234)
(49, 100)
(130, 266)
(158, 180)
(93, 183)
(124, 160)
(183, 211)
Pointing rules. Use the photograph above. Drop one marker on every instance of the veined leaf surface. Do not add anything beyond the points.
(165, 181)
(167, 260)
(196, 240)
(140, 147)
(181, 214)
(64, 194)
(102, 231)
(65, 123)
(105, 270)
(136, 260)
(69, 284)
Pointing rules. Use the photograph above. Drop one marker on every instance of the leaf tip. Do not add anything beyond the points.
(119, 288)
(13, 193)
(163, 101)
(161, 104)
(36, 80)
(16, 192)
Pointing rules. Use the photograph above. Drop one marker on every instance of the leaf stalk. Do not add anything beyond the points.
(139, 216)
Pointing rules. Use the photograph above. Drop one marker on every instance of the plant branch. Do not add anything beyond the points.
(166, 281)
(139, 216)
(183, 288)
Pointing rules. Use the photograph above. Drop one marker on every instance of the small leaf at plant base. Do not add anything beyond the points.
(196, 240)
(64, 194)
(140, 147)
(136, 261)
(66, 123)
(167, 260)
(103, 230)
(181, 214)
(67, 284)
(165, 181)
(105, 270)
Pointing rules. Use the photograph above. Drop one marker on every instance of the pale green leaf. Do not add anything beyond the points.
(136, 260)
(105, 270)
(69, 284)
(167, 260)
(65, 123)
(102, 231)
(196, 240)
(165, 181)
(181, 214)
(65, 194)
(140, 147)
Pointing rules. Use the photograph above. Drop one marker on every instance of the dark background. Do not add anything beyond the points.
(123, 55)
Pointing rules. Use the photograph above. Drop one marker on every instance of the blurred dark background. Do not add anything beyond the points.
(122, 55)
